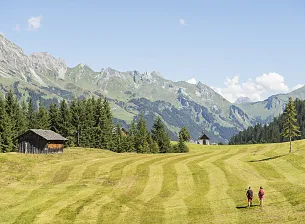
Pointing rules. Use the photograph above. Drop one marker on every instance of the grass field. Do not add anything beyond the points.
(206, 185)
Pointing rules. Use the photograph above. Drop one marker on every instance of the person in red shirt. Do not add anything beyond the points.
(261, 195)
(249, 195)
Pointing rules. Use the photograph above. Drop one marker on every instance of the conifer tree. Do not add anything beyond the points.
(76, 120)
(87, 130)
(22, 123)
(42, 118)
(161, 136)
(65, 128)
(106, 125)
(131, 137)
(153, 146)
(31, 115)
(16, 115)
(98, 115)
(117, 139)
(54, 118)
(290, 129)
(185, 134)
(182, 147)
(141, 136)
(6, 139)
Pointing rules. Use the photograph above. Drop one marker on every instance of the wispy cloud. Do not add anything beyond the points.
(17, 27)
(34, 22)
(183, 22)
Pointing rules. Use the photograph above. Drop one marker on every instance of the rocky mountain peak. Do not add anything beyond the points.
(242, 99)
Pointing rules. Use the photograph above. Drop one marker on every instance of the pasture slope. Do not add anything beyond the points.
(206, 185)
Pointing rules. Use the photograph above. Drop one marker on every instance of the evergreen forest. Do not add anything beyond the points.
(271, 133)
(85, 123)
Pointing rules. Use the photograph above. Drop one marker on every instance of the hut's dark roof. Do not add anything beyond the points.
(48, 135)
(204, 137)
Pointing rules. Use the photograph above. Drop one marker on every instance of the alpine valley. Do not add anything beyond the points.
(197, 106)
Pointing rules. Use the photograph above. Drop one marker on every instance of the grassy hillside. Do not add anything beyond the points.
(206, 185)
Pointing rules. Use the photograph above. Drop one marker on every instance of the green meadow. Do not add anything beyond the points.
(206, 185)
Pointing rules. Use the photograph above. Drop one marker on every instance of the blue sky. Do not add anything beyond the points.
(221, 43)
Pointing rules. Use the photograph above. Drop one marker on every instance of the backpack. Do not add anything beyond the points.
(250, 193)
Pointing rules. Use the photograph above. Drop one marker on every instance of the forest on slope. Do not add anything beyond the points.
(271, 133)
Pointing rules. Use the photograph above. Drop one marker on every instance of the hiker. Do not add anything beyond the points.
(261, 194)
(249, 196)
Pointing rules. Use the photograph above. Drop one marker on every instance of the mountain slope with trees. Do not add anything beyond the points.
(271, 133)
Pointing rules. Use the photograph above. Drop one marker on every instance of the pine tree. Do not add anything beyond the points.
(161, 136)
(54, 118)
(99, 112)
(65, 128)
(131, 137)
(153, 146)
(76, 120)
(291, 129)
(141, 136)
(21, 122)
(182, 147)
(117, 139)
(185, 134)
(12, 110)
(106, 125)
(31, 115)
(6, 139)
(42, 118)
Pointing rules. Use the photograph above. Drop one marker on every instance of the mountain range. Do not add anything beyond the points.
(192, 104)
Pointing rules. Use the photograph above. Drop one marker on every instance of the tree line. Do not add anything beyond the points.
(288, 126)
(85, 123)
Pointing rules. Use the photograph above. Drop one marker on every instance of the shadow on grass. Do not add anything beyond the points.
(266, 159)
(241, 207)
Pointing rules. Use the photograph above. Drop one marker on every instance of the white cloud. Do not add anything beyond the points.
(34, 22)
(17, 28)
(183, 22)
(192, 81)
(258, 89)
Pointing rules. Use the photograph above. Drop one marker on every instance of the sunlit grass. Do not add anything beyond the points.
(206, 185)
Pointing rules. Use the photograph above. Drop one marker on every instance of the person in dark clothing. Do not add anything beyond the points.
(249, 195)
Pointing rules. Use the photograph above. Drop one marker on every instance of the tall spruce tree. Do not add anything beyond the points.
(6, 138)
(87, 130)
(185, 134)
(161, 136)
(290, 129)
(76, 110)
(42, 118)
(106, 125)
(141, 136)
(31, 115)
(117, 139)
(131, 137)
(22, 123)
(182, 147)
(54, 117)
(16, 116)
(65, 128)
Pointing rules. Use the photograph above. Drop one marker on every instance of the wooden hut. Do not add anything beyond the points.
(204, 139)
(37, 141)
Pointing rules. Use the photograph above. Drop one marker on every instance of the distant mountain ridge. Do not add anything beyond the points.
(242, 100)
(194, 105)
